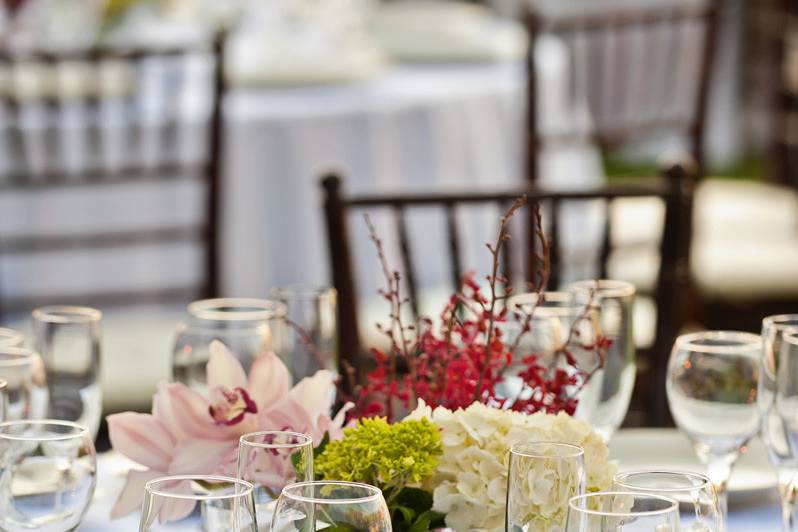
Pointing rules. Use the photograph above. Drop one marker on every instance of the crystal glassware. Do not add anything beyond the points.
(778, 403)
(606, 397)
(712, 387)
(271, 460)
(248, 327)
(560, 467)
(311, 332)
(198, 502)
(68, 339)
(699, 509)
(331, 505)
(26, 383)
(48, 471)
(622, 512)
(11, 337)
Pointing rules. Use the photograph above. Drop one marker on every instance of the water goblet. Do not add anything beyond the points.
(26, 391)
(712, 392)
(560, 466)
(622, 512)
(331, 505)
(11, 337)
(699, 510)
(198, 502)
(271, 460)
(48, 471)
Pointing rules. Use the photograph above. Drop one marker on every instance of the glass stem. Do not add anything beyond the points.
(787, 492)
(718, 471)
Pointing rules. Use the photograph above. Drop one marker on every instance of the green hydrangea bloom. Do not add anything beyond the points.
(383, 455)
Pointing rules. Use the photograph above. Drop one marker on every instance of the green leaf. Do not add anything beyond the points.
(320, 449)
(415, 498)
(429, 520)
(408, 514)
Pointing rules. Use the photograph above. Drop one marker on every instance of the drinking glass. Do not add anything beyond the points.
(622, 512)
(3, 400)
(712, 388)
(558, 466)
(311, 333)
(26, 383)
(775, 433)
(271, 460)
(225, 505)
(331, 505)
(605, 399)
(699, 509)
(11, 337)
(48, 470)
(248, 327)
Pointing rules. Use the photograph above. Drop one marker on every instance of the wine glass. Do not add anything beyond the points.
(11, 337)
(48, 471)
(248, 327)
(622, 512)
(712, 388)
(271, 460)
(68, 339)
(171, 503)
(312, 332)
(331, 505)
(26, 390)
(607, 395)
(698, 503)
(560, 467)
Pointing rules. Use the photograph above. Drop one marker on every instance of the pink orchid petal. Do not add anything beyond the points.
(142, 438)
(132, 494)
(224, 369)
(203, 457)
(185, 412)
(288, 414)
(269, 380)
(176, 509)
(315, 394)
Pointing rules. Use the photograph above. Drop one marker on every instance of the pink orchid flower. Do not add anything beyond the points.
(188, 433)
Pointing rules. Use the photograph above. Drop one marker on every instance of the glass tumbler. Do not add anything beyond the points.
(311, 331)
(26, 383)
(68, 339)
(48, 471)
(622, 512)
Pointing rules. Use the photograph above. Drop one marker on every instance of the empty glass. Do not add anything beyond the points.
(248, 327)
(605, 399)
(311, 334)
(271, 460)
(26, 383)
(775, 433)
(171, 503)
(560, 467)
(331, 505)
(68, 339)
(712, 388)
(698, 503)
(11, 337)
(48, 470)
(622, 512)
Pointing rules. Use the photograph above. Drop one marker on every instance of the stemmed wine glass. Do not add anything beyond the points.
(622, 512)
(331, 505)
(48, 471)
(778, 397)
(712, 392)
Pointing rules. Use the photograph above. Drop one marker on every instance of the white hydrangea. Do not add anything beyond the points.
(470, 484)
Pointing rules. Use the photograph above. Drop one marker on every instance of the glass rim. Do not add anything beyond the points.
(81, 431)
(604, 287)
(306, 439)
(744, 342)
(302, 291)
(258, 309)
(575, 450)
(704, 480)
(672, 504)
(150, 488)
(530, 299)
(376, 493)
(776, 321)
(61, 314)
(20, 357)
(12, 334)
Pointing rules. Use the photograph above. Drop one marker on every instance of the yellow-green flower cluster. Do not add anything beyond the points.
(384, 455)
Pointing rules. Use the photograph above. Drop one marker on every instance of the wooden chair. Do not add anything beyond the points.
(634, 86)
(34, 176)
(674, 188)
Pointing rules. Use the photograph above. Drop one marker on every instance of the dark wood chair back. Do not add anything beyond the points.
(641, 70)
(674, 188)
(35, 117)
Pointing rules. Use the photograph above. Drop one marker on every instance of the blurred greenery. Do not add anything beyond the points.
(752, 166)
